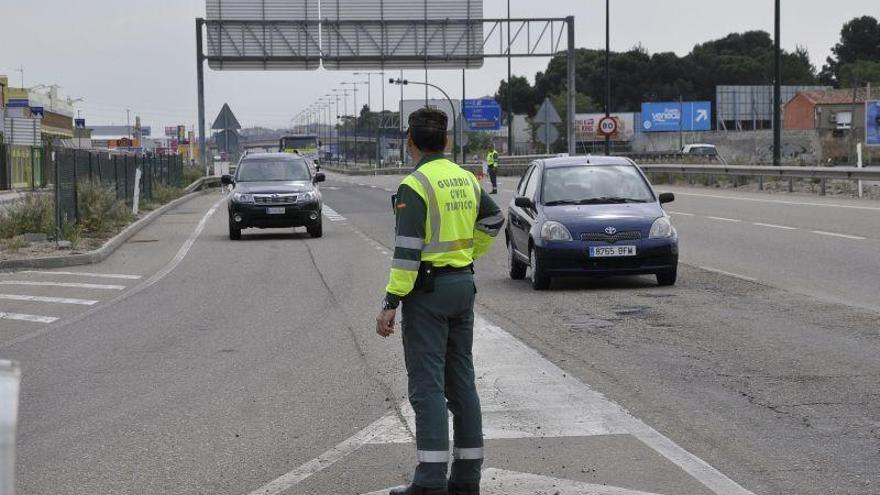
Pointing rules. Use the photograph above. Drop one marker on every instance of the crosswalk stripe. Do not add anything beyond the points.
(86, 274)
(63, 284)
(331, 214)
(46, 299)
(24, 317)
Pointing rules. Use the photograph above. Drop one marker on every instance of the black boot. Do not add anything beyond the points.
(464, 488)
(417, 490)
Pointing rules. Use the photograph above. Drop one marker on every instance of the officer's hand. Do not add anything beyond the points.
(385, 322)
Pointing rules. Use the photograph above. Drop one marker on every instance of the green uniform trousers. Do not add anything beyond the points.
(438, 335)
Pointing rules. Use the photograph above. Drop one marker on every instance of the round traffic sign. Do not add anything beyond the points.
(607, 126)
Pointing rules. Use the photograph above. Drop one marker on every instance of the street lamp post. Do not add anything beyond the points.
(403, 82)
(354, 91)
(777, 93)
(607, 71)
(369, 94)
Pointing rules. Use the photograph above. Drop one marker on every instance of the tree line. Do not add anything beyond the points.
(736, 59)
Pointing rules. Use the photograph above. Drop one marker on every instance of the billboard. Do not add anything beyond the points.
(354, 34)
(872, 123)
(409, 106)
(482, 115)
(674, 116)
(586, 126)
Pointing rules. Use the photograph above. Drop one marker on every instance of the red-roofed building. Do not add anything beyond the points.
(834, 110)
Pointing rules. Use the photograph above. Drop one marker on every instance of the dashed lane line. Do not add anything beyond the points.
(63, 284)
(47, 299)
(774, 226)
(86, 274)
(843, 236)
(723, 219)
(30, 318)
(729, 274)
(681, 213)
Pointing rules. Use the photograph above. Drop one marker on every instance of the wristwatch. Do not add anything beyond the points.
(386, 305)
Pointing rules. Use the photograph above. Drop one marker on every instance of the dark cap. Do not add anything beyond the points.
(429, 118)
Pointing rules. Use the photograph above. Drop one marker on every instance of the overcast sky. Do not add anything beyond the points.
(119, 54)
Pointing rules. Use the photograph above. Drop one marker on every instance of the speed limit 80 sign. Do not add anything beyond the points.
(608, 126)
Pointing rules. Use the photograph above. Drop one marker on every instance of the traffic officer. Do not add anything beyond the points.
(444, 222)
(492, 165)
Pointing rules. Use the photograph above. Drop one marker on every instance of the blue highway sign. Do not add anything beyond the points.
(872, 127)
(669, 116)
(482, 115)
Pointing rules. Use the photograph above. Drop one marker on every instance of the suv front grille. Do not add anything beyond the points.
(274, 199)
(630, 235)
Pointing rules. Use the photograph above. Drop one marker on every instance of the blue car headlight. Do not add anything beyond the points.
(662, 229)
(554, 231)
(243, 197)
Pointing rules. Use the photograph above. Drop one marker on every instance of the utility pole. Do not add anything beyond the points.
(509, 90)
(128, 121)
(607, 70)
(463, 97)
(777, 93)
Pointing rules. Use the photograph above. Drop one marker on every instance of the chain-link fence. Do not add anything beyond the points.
(118, 172)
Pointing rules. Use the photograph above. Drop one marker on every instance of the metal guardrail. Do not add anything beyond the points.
(828, 173)
(201, 182)
(10, 378)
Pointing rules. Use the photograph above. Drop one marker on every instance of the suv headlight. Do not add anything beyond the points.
(307, 196)
(242, 198)
(662, 229)
(554, 231)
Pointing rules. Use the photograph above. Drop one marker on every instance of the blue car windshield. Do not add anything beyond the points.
(595, 184)
(260, 170)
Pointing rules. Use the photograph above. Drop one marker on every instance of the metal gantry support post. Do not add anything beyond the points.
(777, 93)
(200, 76)
(572, 90)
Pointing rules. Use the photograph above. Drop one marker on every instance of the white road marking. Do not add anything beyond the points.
(524, 395)
(774, 226)
(86, 274)
(331, 214)
(503, 482)
(337, 453)
(57, 300)
(390, 190)
(682, 213)
(156, 277)
(729, 274)
(63, 284)
(776, 201)
(835, 234)
(31, 318)
(734, 220)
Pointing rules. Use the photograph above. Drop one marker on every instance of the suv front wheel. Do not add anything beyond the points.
(234, 232)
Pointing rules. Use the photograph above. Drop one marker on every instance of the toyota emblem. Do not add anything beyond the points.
(610, 230)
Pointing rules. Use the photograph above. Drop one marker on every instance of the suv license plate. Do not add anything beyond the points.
(612, 251)
(275, 211)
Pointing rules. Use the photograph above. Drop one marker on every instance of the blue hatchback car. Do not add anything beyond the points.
(589, 216)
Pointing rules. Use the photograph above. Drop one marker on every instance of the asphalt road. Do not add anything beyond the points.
(252, 367)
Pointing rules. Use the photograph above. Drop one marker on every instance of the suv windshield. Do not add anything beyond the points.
(595, 184)
(259, 170)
